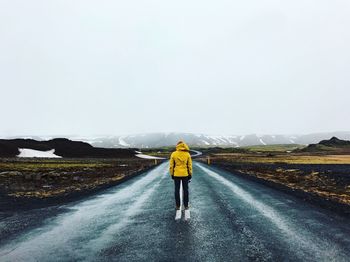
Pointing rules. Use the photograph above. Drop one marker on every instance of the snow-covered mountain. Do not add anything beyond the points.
(203, 140)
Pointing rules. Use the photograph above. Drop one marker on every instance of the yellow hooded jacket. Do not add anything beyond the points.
(181, 161)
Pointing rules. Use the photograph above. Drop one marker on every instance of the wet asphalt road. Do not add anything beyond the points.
(232, 219)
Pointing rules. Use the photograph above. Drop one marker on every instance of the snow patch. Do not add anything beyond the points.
(26, 152)
(205, 142)
(262, 142)
(122, 142)
(148, 157)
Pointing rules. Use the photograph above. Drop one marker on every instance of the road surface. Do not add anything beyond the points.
(232, 219)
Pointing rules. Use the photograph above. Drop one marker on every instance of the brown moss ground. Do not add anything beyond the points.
(327, 176)
(44, 178)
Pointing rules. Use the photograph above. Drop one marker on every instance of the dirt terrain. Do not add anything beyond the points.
(35, 179)
(318, 177)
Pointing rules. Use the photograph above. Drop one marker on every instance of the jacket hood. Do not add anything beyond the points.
(182, 147)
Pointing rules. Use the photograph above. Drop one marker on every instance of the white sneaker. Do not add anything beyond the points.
(187, 214)
(178, 214)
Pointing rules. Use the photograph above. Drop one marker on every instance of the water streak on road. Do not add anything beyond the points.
(300, 241)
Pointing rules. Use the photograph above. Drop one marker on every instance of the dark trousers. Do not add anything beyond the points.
(184, 181)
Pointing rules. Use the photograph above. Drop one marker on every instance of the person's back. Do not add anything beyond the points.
(181, 172)
(180, 161)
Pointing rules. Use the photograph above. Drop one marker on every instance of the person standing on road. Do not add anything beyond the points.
(181, 173)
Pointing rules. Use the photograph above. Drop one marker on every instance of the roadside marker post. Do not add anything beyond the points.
(208, 160)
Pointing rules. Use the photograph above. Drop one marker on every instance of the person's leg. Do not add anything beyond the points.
(177, 192)
(185, 189)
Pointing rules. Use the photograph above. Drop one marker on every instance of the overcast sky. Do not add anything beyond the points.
(217, 67)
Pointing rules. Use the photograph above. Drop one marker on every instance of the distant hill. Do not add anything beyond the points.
(335, 142)
(333, 145)
(63, 147)
(156, 140)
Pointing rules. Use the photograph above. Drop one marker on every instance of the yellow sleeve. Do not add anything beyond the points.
(189, 165)
(171, 167)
